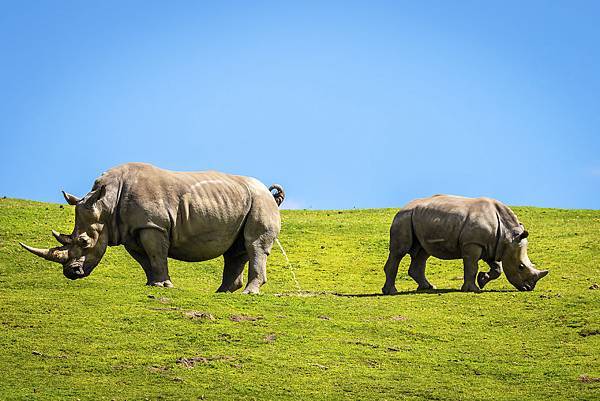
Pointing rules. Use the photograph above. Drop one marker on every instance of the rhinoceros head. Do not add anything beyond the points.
(519, 270)
(82, 250)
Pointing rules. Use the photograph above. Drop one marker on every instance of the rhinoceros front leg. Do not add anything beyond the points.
(471, 255)
(156, 248)
(485, 277)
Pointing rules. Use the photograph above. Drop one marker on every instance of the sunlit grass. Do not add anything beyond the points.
(111, 337)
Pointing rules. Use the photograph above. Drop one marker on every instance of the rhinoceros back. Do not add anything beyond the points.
(444, 224)
(202, 212)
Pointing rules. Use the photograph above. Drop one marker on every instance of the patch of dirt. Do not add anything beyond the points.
(594, 287)
(158, 369)
(270, 338)
(324, 317)
(227, 338)
(303, 294)
(589, 332)
(193, 361)
(192, 314)
(399, 318)
(588, 379)
(162, 300)
(244, 318)
(365, 344)
(38, 353)
(318, 365)
(168, 308)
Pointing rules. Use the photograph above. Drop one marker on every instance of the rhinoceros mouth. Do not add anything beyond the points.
(76, 269)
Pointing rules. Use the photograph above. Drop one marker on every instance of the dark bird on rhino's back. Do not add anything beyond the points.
(190, 216)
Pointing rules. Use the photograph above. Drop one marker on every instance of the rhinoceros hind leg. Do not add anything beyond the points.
(417, 270)
(257, 267)
(471, 255)
(233, 272)
(391, 271)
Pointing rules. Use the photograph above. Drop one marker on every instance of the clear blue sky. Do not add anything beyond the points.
(346, 104)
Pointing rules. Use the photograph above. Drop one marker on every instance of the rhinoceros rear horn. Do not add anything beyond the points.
(71, 199)
(59, 255)
(62, 238)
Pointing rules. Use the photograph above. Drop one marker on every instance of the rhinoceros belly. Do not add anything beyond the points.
(209, 219)
(438, 232)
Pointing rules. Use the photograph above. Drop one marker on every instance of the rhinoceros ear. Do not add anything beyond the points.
(521, 236)
(96, 195)
(71, 199)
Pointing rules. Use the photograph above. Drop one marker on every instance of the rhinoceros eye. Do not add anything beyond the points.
(521, 266)
(84, 241)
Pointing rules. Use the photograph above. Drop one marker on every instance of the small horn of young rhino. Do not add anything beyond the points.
(58, 255)
(62, 238)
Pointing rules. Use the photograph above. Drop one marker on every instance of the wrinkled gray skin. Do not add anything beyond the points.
(190, 216)
(454, 227)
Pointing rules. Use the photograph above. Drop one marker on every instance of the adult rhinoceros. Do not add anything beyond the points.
(454, 227)
(190, 216)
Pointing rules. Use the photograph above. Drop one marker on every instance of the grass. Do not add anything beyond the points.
(111, 337)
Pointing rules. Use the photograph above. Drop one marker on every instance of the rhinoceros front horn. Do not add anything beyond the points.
(58, 255)
(540, 274)
(62, 238)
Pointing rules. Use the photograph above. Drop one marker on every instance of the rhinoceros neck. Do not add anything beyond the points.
(507, 220)
(110, 205)
(499, 247)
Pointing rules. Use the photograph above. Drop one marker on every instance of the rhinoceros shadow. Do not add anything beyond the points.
(413, 292)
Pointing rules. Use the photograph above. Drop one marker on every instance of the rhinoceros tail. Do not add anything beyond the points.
(279, 195)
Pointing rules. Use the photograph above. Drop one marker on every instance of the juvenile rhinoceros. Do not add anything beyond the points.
(190, 216)
(454, 227)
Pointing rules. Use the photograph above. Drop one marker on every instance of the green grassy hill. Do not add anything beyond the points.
(110, 337)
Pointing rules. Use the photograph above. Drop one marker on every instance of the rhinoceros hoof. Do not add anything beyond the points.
(426, 287)
(251, 291)
(482, 279)
(470, 288)
(389, 291)
(166, 284)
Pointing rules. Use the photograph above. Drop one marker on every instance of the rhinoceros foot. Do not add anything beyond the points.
(389, 290)
(470, 287)
(482, 279)
(165, 283)
(426, 287)
(231, 287)
(251, 290)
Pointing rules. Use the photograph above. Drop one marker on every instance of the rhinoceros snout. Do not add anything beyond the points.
(74, 271)
(73, 274)
(527, 287)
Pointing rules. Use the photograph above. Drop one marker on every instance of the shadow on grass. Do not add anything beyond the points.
(378, 294)
(413, 292)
